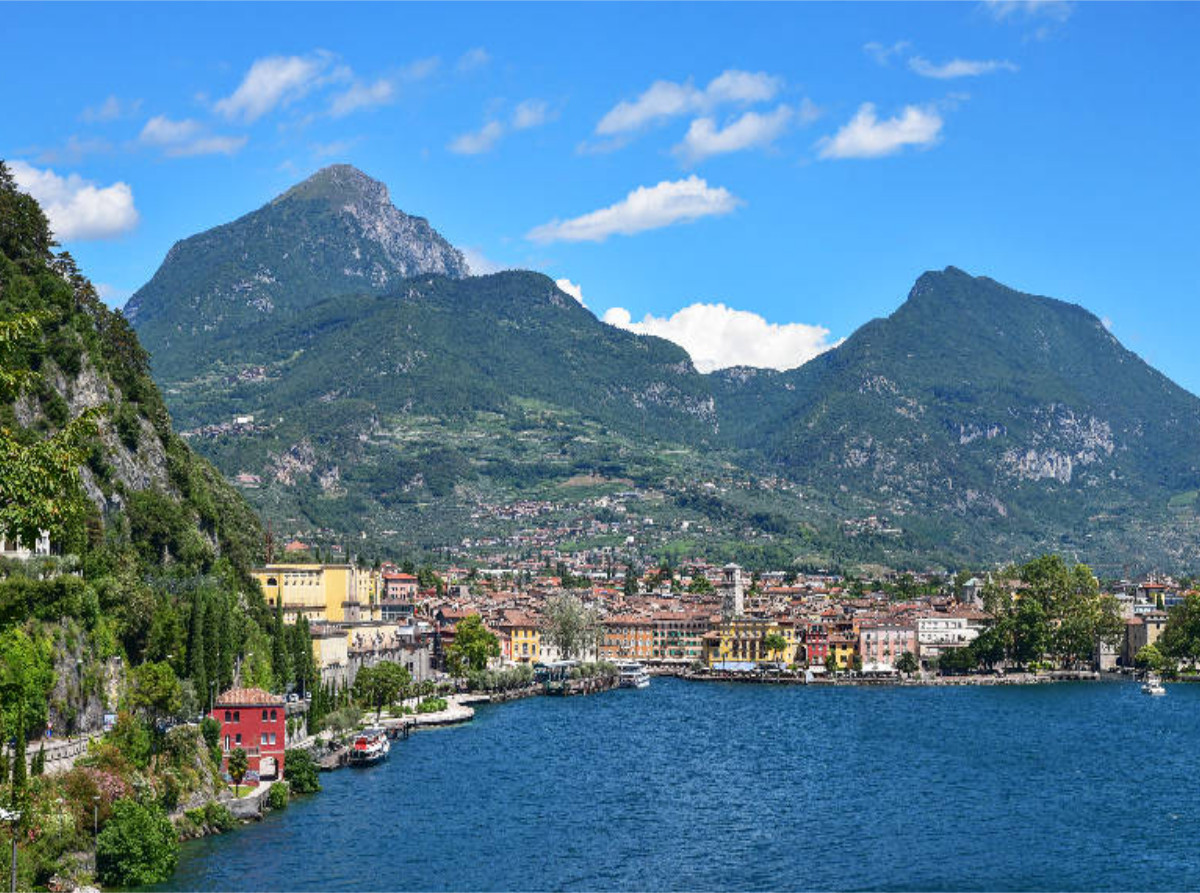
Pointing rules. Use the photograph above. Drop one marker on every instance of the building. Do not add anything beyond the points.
(628, 637)
(524, 633)
(881, 642)
(679, 636)
(740, 643)
(334, 593)
(15, 549)
(255, 721)
(940, 632)
(732, 588)
(1145, 629)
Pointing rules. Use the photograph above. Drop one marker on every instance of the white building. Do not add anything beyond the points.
(938, 633)
(14, 548)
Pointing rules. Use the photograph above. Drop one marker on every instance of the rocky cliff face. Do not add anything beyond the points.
(337, 233)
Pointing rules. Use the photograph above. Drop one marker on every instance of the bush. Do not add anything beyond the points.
(138, 846)
(432, 705)
(277, 797)
(300, 771)
(217, 817)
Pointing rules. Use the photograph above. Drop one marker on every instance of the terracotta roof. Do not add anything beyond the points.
(237, 697)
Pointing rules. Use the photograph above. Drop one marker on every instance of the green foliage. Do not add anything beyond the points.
(474, 644)
(218, 817)
(1180, 640)
(381, 685)
(137, 846)
(775, 644)
(907, 663)
(238, 765)
(277, 797)
(432, 705)
(570, 625)
(1150, 658)
(342, 719)
(300, 771)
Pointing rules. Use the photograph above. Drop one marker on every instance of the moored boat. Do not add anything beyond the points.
(1153, 685)
(633, 675)
(370, 746)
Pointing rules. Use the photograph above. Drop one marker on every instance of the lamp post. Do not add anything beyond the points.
(12, 816)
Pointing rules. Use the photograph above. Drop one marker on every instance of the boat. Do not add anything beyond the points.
(633, 675)
(1153, 685)
(370, 746)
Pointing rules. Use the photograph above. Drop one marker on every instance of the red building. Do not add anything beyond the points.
(255, 721)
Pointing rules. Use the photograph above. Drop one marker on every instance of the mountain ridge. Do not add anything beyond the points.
(987, 418)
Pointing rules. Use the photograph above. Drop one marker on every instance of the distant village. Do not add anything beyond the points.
(699, 617)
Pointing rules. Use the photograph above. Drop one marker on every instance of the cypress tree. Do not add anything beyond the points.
(212, 640)
(228, 641)
(195, 647)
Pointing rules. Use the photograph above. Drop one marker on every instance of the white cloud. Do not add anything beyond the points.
(645, 208)
(575, 291)
(479, 264)
(112, 109)
(530, 113)
(704, 139)
(162, 131)
(1055, 10)
(667, 99)
(868, 137)
(362, 95)
(186, 138)
(959, 68)
(478, 141)
(717, 337)
(274, 81)
(473, 59)
(78, 209)
(883, 54)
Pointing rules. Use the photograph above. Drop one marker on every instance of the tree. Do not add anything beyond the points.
(156, 692)
(381, 685)
(138, 845)
(1180, 640)
(239, 765)
(774, 644)
(300, 771)
(474, 644)
(630, 587)
(569, 625)
(907, 663)
(700, 585)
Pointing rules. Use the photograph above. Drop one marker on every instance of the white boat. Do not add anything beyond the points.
(1153, 685)
(633, 675)
(370, 746)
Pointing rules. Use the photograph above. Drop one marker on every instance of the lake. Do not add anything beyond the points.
(706, 786)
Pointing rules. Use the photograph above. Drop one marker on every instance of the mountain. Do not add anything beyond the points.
(993, 417)
(976, 423)
(337, 233)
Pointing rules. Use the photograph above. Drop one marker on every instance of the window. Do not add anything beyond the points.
(274, 716)
(264, 716)
(262, 739)
(227, 715)
(238, 739)
(226, 743)
(237, 715)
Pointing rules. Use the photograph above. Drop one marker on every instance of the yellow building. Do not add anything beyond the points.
(743, 640)
(842, 651)
(335, 593)
(524, 637)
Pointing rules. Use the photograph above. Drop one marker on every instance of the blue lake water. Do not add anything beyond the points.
(700, 786)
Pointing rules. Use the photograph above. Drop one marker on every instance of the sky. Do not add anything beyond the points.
(751, 181)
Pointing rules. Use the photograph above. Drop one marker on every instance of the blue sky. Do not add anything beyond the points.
(758, 179)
